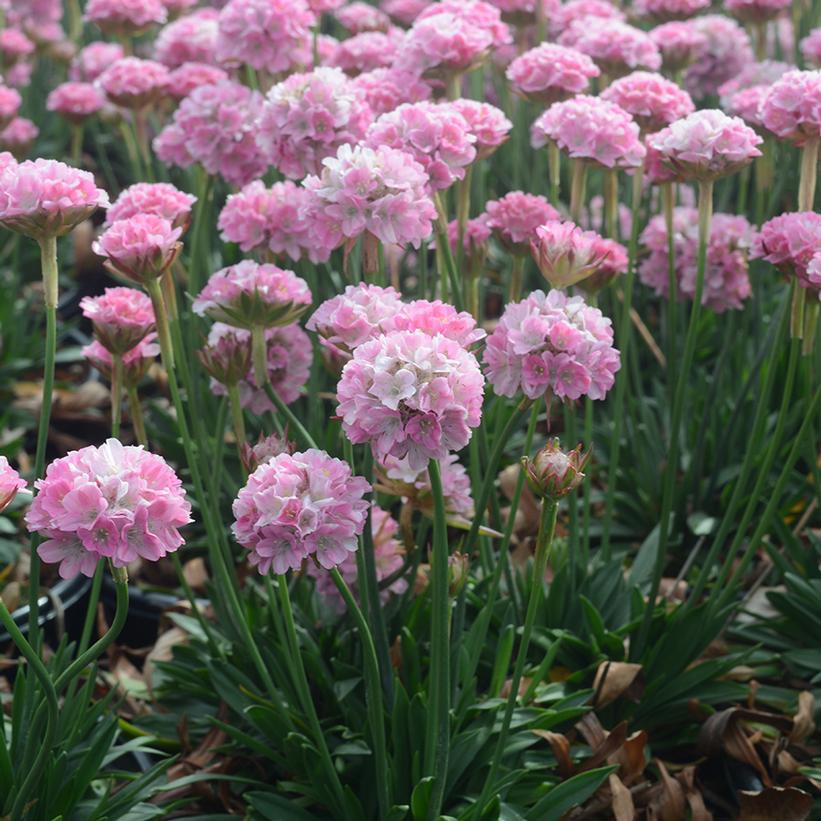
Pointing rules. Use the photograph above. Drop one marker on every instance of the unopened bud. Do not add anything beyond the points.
(553, 473)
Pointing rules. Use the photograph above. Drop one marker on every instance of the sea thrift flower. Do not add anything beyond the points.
(75, 101)
(10, 101)
(18, 137)
(474, 241)
(726, 281)
(591, 128)
(183, 80)
(706, 145)
(367, 51)
(226, 357)
(679, 43)
(139, 248)
(268, 35)
(14, 46)
(790, 242)
(747, 104)
(613, 264)
(550, 72)
(246, 217)
(665, 10)
(756, 11)
(191, 39)
(134, 83)
(487, 123)
(753, 74)
(792, 108)
(10, 483)
(552, 343)
(122, 317)
(136, 362)
(650, 99)
(358, 17)
(385, 89)
(248, 295)
(125, 17)
(158, 198)
(811, 48)
(404, 11)
(300, 506)
(565, 254)
(554, 473)
(568, 13)
(47, 198)
(436, 135)
(115, 502)
(515, 218)
(307, 117)
(395, 206)
(814, 273)
(725, 52)
(93, 60)
(435, 318)
(264, 451)
(617, 48)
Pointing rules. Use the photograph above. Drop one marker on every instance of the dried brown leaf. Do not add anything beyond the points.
(162, 651)
(615, 679)
(670, 802)
(561, 750)
(622, 800)
(785, 804)
(804, 719)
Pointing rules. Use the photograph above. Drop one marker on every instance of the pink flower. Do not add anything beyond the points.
(14, 46)
(476, 235)
(248, 295)
(289, 358)
(435, 134)
(524, 12)
(666, 10)
(139, 248)
(125, 17)
(726, 281)
(435, 318)
(614, 263)
(384, 89)
(515, 218)
(792, 108)
(568, 13)
(183, 80)
(134, 83)
(191, 39)
(811, 48)
(358, 17)
(747, 104)
(264, 450)
(307, 117)
(487, 123)
(93, 60)
(10, 101)
(679, 43)
(756, 11)
(160, 199)
(47, 198)
(814, 273)
(300, 506)
(268, 35)
(75, 101)
(382, 191)
(617, 48)
(176, 6)
(321, 6)
(10, 483)
(410, 394)
(246, 217)
(790, 242)
(18, 136)
(549, 73)
(122, 317)
(725, 52)
(215, 126)
(552, 343)
(650, 99)
(706, 145)
(743, 95)
(136, 362)
(367, 51)
(404, 11)
(565, 254)
(593, 129)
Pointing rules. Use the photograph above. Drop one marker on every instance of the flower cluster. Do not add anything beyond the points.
(515, 217)
(122, 318)
(652, 100)
(792, 108)
(109, 502)
(791, 243)
(486, 123)
(576, 10)
(184, 79)
(566, 254)
(367, 51)
(550, 73)
(10, 483)
(93, 60)
(139, 248)
(191, 39)
(158, 198)
(385, 89)
(725, 50)
(666, 10)
(10, 101)
(136, 361)
(125, 17)
(679, 44)
(756, 11)
(811, 48)
(359, 16)
(134, 83)
(74, 101)
(616, 47)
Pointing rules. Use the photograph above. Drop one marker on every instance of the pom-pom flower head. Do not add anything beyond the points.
(550, 73)
(410, 394)
(515, 218)
(75, 101)
(725, 51)
(791, 242)
(190, 76)
(10, 483)
(160, 199)
(18, 137)
(136, 362)
(617, 48)
(666, 10)
(679, 44)
(125, 17)
(486, 123)
(359, 16)
(140, 248)
(115, 502)
(10, 102)
(792, 108)
(811, 48)
(650, 99)
(191, 39)
(122, 317)
(553, 473)
(93, 60)
(565, 254)
(305, 505)
(134, 83)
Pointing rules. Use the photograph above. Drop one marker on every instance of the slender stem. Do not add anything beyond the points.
(444, 255)
(76, 148)
(516, 278)
(554, 172)
(259, 355)
(137, 418)
(809, 167)
(237, 416)
(293, 422)
(760, 40)
(578, 185)
(611, 203)
(668, 200)
(116, 393)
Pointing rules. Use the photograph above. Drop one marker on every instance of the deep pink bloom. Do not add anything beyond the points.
(747, 104)
(47, 198)
(475, 238)
(790, 242)
(136, 362)
(665, 10)
(385, 89)
(10, 101)
(158, 198)
(75, 101)
(183, 80)
(550, 72)
(300, 506)
(679, 43)
(112, 501)
(18, 137)
(488, 124)
(268, 35)
(613, 264)
(792, 108)
(435, 318)
(650, 99)
(191, 39)
(141, 247)
(122, 317)
(552, 343)
(756, 11)
(358, 17)
(10, 483)
(246, 217)
(410, 394)
(307, 117)
(568, 13)
(566, 254)
(726, 50)
(367, 51)
(516, 216)
(125, 17)
(726, 280)
(616, 47)
(706, 145)
(592, 129)
(248, 295)
(14, 46)
(811, 48)
(93, 60)
(134, 83)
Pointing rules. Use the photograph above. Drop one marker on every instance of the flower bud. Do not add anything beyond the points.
(10, 483)
(553, 473)
(264, 450)
(228, 360)
(565, 254)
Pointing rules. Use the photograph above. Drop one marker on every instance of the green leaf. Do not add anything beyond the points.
(569, 794)
(269, 806)
(420, 798)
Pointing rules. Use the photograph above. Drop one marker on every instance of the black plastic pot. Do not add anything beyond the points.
(144, 610)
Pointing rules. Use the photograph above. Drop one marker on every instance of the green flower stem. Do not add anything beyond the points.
(544, 541)
(304, 694)
(587, 484)
(463, 188)
(199, 253)
(259, 354)
(447, 267)
(294, 425)
(611, 203)
(376, 716)
(76, 147)
(554, 165)
(237, 417)
(437, 736)
(809, 168)
(578, 186)
(516, 278)
(137, 418)
(116, 394)
(625, 332)
(705, 211)
(668, 204)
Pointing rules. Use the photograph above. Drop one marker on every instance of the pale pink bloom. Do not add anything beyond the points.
(726, 50)
(666, 10)
(75, 101)
(790, 242)
(515, 217)
(358, 17)
(616, 47)
(706, 145)
(139, 248)
(300, 506)
(550, 72)
(246, 218)
(552, 343)
(367, 51)
(726, 280)
(613, 264)
(47, 198)
(679, 43)
(93, 60)
(813, 277)
(10, 483)
(434, 318)
(191, 39)
(268, 35)
(385, 89)
(183, 80)
(307, 117)
(247, 295)
(115, 502)
(14, 46)
(134, 83)
(404, 11)
(747, 104)
(125, 17)
(742, 96)
(326, 47)
(566, 254)
(18, 137)
(289, 232)
(592, 129)
(792, 108)
(650, 99)
(476, 235)
(757, 11)
(811, 48)
(568, 13)
(42, 15)
(488, 124)
(410, 394)
(288, 358)
(10, 101)
(158, 198)
(477, 12)
(19, 75)
(322, 6)
(437, 136)
(136, 361)
(382, 191)
(215, 126)
(122, 317)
